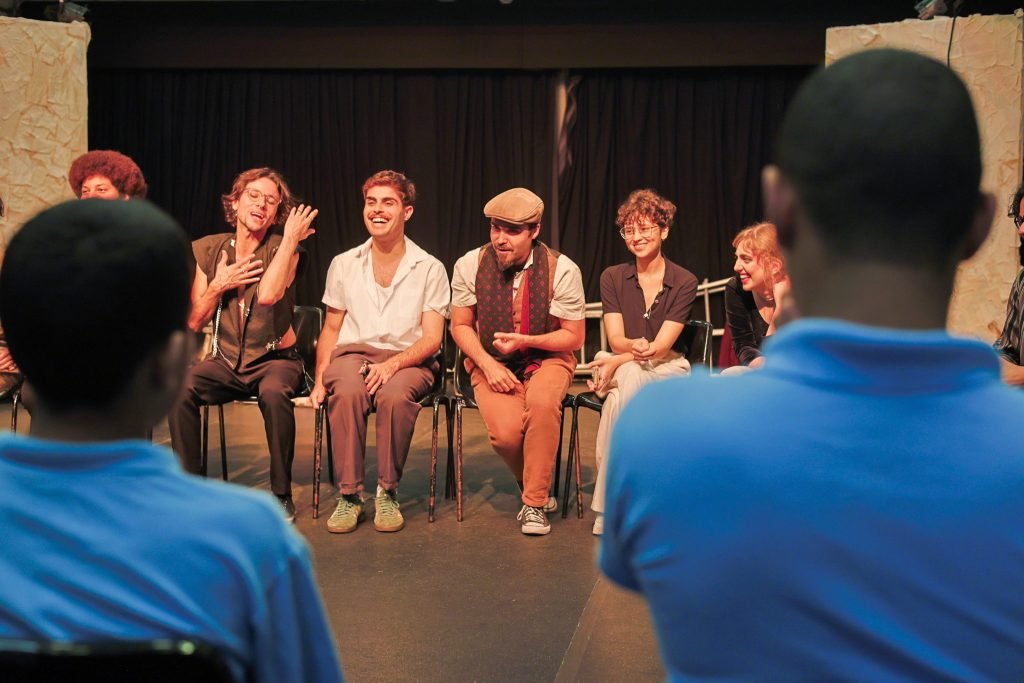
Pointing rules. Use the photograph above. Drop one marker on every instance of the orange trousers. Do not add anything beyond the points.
(524, 425)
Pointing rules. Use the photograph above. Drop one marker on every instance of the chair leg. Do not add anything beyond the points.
(318, 444)
(15, 400)
(433, 463)
(449, 472)
(458, 461)
(204, 453)
(330, 451)
(575, 446)
(573, 441)
(558, 456)
(223, 445)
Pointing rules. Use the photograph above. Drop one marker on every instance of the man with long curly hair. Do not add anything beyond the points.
(106, 174)
(244, 282)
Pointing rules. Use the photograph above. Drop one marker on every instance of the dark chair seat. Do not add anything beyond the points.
(155, 661)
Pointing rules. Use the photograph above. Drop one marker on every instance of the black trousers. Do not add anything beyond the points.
(273, 380)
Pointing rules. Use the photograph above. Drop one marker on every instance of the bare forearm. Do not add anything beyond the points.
(558, 341)
(415, 355)
(1012, 374)
(203, 307)
(469, 341)
(621, 344)
(279, 273)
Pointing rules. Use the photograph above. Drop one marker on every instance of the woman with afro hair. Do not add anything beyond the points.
(106, 174)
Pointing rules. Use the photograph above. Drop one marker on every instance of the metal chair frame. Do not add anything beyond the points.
(306, 345)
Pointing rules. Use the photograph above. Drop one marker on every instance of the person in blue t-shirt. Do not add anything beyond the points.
(852, 511)
(105, 538)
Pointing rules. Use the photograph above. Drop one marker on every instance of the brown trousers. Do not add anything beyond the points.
(524, 425)
(349, 404)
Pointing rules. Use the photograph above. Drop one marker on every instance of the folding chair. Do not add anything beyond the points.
(307, 322)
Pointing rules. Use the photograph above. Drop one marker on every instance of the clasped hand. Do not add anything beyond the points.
(509, 342)
(242, 273)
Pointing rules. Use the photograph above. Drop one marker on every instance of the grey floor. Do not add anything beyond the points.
(475, 601)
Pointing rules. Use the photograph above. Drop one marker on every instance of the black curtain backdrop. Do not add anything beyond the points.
(698, 137)
(462, 137)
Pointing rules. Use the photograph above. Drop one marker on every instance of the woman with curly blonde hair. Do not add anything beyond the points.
(752, 297)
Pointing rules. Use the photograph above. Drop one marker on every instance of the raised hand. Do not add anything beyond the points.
(299, 220)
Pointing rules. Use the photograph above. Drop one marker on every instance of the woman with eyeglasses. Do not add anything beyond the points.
(753, 296)
(106, 174)
(646, 302)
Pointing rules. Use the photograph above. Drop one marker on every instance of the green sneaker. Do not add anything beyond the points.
(347, 515)
(388, 517)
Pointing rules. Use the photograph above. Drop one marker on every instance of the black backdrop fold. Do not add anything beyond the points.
(698, 136)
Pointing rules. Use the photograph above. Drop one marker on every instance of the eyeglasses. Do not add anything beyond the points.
(644, 231)
(255, 195)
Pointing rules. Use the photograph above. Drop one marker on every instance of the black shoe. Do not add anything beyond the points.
(288, 506)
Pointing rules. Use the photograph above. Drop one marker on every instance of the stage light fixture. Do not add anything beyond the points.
(67, 12)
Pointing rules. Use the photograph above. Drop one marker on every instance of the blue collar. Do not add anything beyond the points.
(878, 360)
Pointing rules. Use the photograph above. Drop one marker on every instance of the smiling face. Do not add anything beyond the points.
(99, 187)
(512, 242)
(644, 238)
(256, 207)
(750, 270)
(384, 213)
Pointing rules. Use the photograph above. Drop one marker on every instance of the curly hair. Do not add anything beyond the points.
(288, 200)
(761, 240)
(1013, 210)
(122, 172)
(647, 204)
(393, 179)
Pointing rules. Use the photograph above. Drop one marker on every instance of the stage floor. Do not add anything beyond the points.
(476, 601)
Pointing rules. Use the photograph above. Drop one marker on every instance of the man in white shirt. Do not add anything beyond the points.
(518, 315)
(387, 301)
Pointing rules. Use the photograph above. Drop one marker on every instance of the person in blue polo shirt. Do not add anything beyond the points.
(853, 510)
(104, 536)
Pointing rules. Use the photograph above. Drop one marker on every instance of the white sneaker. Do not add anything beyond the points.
(599, 524)
(535, 523)
(551, 505)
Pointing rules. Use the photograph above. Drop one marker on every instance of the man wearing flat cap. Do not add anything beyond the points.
(517, 315)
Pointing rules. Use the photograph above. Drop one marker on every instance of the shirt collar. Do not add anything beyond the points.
(413, 252)
(135, 455)
(878, 360)
(668, 281)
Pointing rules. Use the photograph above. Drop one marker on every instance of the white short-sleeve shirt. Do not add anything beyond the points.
(568, 300)
(386, 317)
